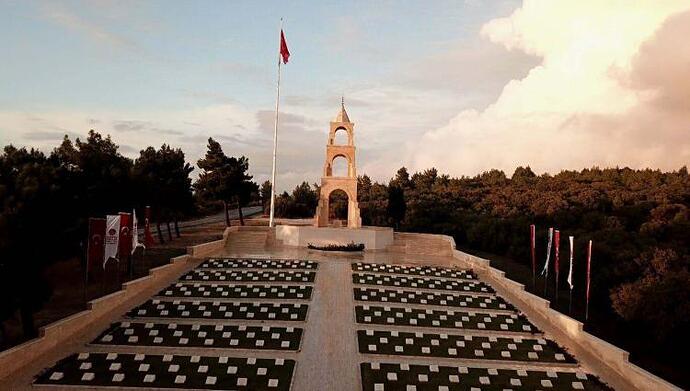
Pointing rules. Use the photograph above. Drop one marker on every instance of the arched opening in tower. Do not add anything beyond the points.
(340, 137)
(337, 208)
(340, 166)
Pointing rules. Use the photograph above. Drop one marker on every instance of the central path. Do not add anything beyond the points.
(328, 360)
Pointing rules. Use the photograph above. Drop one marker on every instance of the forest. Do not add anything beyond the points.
(48, 198)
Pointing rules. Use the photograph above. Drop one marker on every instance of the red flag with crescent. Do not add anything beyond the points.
(96, 248)
(125, 235)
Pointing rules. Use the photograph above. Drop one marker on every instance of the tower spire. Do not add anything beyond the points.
(342, 115)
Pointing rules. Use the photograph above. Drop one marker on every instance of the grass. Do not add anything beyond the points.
(195, 379)
(465, 346)
(437, 318)
(468, 378)
(218, 291)
(202, 275)
(211, 310)
(219, 336)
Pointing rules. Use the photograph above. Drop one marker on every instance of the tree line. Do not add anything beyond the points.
(48, 198)
(639, 221)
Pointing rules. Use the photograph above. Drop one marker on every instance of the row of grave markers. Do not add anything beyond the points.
(553, 241)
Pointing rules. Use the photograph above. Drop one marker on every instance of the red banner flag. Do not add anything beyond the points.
(284, 52)
(148, 237)
(125, 235)
(532, 244)
(96, 248)
(589, 263)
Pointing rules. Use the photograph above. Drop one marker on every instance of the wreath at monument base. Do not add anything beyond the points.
(352, 246)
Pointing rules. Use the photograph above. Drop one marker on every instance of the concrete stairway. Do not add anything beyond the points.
(419, 244)
(248, 239)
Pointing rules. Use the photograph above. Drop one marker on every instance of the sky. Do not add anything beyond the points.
(463, 86)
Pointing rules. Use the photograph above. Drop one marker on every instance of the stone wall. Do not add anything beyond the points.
(58, 333)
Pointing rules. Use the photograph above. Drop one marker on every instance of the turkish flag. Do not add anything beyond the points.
(125, 235)
(284, 52)
(96, 248)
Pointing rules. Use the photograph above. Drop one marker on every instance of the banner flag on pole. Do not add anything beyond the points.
(95, 249)
(148, 237)
(589, 264)
(112, 238)
(532, 244)
(125, 245)
(135, 231)
(570, 267)
(545, 270)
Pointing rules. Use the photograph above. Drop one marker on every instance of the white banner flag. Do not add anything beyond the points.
(545, 271)
(570, 268)
(135, 232)
(112, 237)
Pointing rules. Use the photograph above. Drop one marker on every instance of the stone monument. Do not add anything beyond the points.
(348, 183)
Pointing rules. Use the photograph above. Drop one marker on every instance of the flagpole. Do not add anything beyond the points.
(275, 136)
(571, 240)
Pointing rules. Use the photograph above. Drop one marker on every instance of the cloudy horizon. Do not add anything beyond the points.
(463, 87)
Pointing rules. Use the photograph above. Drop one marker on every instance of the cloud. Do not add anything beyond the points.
(595, 98)
(143, 126)
(53, 136)
(289, 122)
(93, 31)
(474, 69)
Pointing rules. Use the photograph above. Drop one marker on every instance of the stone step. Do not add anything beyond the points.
(247, 239)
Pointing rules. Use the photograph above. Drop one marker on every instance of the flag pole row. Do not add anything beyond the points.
(115, 237)
(553, 242)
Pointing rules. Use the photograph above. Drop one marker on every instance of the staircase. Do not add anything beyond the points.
(419, 244)
(248, 239)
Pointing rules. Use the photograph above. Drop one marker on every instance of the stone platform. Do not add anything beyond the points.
(374, 238)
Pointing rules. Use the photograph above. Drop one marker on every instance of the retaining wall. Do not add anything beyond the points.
(62, 331)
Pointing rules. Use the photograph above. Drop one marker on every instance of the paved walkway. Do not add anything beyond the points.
(341, 322)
